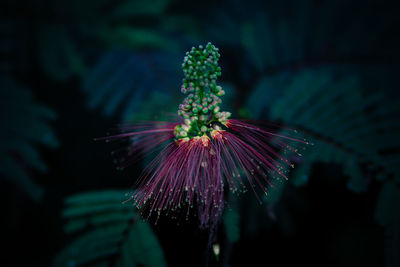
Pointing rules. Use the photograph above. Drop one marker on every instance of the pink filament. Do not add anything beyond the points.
(192, 172)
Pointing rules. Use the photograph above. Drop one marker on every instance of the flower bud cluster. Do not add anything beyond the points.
(200, 109)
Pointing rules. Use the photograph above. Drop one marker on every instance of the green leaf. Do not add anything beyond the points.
(337, 116)
(142, 247)
(107, 232)
(125, 81)
(18, 146)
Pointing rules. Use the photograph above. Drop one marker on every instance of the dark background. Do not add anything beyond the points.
(75, 57)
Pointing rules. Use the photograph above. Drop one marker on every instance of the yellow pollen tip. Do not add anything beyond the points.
(216, 134)
(182, 140)
(196, 138)
(205, 140)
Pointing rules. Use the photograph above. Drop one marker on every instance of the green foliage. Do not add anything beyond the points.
(117, 30)
(278, 34)
(129, 37)
(24, 126)
(349, 122)
(107, 232)
(346, 125)
(158, 106)
(267, 37)
(63, 47)
(124, 80)
(139, 86)
(268, 46)
(258, 93)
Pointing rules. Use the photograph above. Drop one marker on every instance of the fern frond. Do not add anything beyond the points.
(107, 233)
(278, 34)
(64, 41)
(346, 125)
(126, 80)
(24, 125)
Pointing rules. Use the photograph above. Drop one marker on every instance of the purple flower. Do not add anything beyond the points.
(204, 152)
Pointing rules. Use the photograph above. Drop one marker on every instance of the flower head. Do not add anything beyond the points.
(206, 151)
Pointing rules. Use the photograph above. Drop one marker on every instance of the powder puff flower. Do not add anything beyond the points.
(206, 151)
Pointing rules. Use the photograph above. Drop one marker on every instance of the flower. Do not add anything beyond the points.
(206, 150)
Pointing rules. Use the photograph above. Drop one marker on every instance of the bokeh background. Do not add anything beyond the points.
(70, 70)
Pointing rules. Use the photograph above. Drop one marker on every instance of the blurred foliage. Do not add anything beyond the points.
(282, 33)
(140, 86)
(346, 125)
(159, 106)
(107, 233)
(128, 80)
(294, 66)
(25, 125)
(69, 33)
